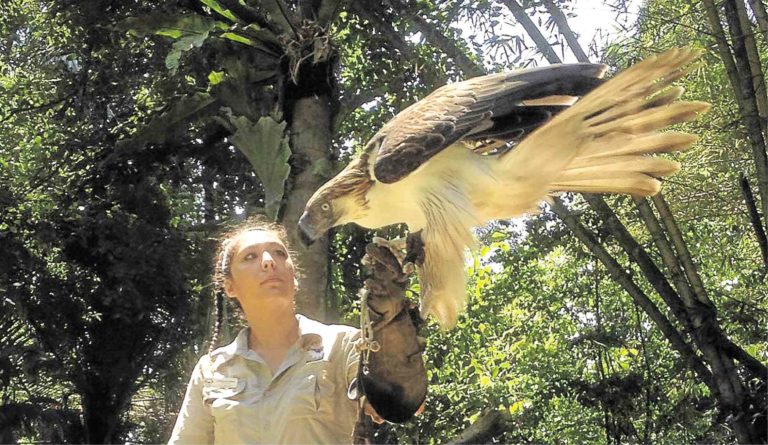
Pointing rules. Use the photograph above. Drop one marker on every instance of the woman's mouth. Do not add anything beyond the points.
(272, 280)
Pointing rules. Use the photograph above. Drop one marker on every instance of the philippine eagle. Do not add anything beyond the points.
(423, 167)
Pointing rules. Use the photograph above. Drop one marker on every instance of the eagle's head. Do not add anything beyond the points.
(338, 201)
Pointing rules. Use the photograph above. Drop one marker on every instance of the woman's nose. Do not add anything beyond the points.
(267, 262)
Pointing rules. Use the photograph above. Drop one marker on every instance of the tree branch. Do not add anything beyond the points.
(352, 103)
(668, 256)
(625, 281)
(50, 104)
(755, 366)
(756, 70)
(565, 30)
(437, 38)
(538, 38)
(691, 272)
(374, 15)
(754, 218)
(739, 74)
(761, 15)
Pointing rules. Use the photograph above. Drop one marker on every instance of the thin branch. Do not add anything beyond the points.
(639, 256)
(352, 103)
(437, 38)
(44, 106)
(374, 14)
(754, 218)
(285, 14)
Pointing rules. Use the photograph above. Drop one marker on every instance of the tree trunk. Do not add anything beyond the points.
(100, 417)
(311, 135)
(741, 78)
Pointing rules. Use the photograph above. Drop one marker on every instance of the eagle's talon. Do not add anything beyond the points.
(415, 252)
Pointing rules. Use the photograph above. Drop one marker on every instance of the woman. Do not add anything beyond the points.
(285, 378)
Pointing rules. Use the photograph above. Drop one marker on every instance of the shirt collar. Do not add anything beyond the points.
(311, 339)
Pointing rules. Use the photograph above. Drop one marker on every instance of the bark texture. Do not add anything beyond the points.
(310, 141)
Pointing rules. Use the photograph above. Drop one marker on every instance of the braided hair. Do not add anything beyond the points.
(223, 259)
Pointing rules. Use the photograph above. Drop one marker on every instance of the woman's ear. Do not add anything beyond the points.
(229, 288)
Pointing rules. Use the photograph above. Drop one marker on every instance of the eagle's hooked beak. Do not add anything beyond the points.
(307, 232)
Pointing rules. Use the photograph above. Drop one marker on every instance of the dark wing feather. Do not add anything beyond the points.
(486, 107)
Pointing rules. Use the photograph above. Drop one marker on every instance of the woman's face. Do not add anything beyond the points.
(260, 268)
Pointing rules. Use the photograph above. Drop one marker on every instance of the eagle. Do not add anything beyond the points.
(495, 147)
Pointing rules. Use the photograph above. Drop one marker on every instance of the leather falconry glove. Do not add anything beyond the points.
(396, 382)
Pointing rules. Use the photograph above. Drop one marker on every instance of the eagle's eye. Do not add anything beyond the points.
(325, 207)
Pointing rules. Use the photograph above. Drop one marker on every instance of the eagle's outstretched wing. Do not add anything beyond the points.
(504, 106)
(601, 144)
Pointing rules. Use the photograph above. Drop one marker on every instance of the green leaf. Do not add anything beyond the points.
(189, 31)
(194, 39)
(265, 144)
(169, 25)
(216, 6)
(215, 77)
(238, 38)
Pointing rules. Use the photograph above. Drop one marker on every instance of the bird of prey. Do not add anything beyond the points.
(424, 168)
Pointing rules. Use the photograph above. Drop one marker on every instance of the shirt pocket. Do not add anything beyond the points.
(224, 402)
(313, 390)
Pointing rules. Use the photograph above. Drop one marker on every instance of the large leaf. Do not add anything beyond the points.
(265, 144)
(189, 31)
(216, 6)
(194, 38)
(169, 25)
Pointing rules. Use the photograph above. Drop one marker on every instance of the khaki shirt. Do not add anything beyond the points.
(233, 397)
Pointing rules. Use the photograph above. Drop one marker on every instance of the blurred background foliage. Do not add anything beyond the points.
(120, 162)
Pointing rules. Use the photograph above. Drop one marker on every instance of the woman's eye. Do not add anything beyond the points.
(281, 253)
(249, 257)
(325, 207)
